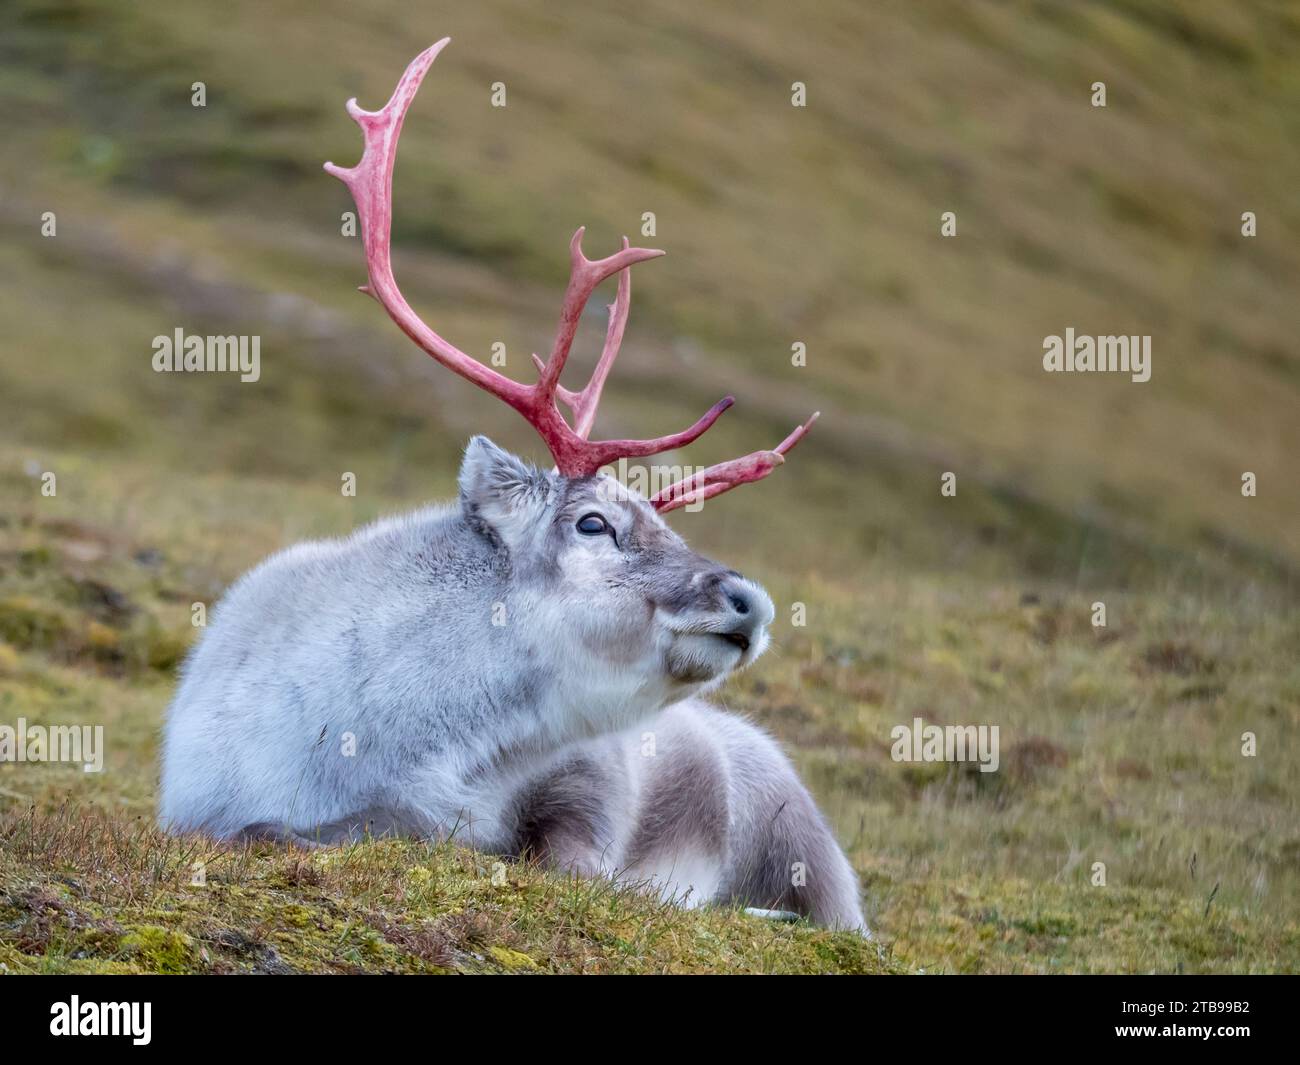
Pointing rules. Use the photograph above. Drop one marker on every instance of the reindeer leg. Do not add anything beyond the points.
(567, 816)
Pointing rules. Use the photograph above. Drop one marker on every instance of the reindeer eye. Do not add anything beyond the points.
(593, 525)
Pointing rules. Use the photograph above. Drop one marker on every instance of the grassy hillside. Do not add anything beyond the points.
(820, 224)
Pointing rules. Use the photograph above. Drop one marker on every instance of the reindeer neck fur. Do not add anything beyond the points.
(470, 604)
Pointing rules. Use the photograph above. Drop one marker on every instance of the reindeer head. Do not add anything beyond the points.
(602, 580)
(603, 564)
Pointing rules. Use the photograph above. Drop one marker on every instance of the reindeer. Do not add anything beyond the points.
(521, 669)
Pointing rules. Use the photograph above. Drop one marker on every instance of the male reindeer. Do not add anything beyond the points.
(362, 686)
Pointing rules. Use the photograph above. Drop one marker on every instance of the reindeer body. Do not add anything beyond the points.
(521, 670)
(484, 670)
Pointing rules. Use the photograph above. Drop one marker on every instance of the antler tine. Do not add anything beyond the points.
(371, 185)
(584, 276)
(728, 475)
(584, 403)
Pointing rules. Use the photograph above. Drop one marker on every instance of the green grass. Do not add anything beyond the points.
(112, 897)
(1120, 745)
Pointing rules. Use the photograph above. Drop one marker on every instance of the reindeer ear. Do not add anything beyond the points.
(501, 491)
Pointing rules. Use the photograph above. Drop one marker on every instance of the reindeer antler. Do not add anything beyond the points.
(371, 185)
(728, 475)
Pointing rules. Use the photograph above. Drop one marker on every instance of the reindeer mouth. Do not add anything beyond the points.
(699, 656)
(736, 639)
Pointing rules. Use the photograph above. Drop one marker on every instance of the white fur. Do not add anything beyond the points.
(421, 675)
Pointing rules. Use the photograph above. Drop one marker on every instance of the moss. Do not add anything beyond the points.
(103, 641)
(34, 558)
(164, 648)
(513, 960)
(159, 950)
(298, 916)
(29, 623)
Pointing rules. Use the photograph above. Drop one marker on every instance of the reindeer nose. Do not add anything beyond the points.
(747, 602)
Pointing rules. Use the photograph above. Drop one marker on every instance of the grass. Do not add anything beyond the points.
(113, 897)
(1121, 745)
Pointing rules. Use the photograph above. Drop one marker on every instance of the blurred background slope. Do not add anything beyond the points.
(817, 225)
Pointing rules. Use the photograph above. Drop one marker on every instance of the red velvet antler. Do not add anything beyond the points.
(371, 185)
(728, 475)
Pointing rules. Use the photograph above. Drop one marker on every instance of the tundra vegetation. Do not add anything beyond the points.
(1121, 744)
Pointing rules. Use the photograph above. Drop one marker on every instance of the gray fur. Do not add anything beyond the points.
(487, 670)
